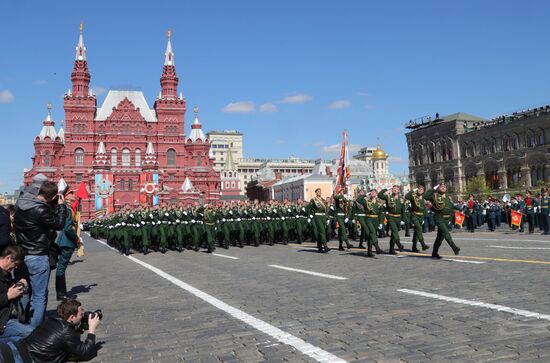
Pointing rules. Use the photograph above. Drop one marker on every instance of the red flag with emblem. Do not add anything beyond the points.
(343, 166)
(516, 218)
(459, 219)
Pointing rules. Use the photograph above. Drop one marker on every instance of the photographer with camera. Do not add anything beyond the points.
(11, 330)
(57, 339)
(35, 218)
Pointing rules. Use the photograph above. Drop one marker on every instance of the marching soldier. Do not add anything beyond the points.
(418, 213)
(395, 211)
(358, 213)
(374, 221)
(317, 208)
(341, 208)
(444, 209)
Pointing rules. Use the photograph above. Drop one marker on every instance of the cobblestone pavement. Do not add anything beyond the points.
(364, 318)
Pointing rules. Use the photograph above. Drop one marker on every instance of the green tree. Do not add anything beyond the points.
(478, 187)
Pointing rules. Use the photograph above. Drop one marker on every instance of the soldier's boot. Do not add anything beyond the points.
(414, 249)
(378, 249)
(348, 245)
(392, 250)
(424, 245)
(61, 288)
(369, 251)
(325, 247)
(435, 251)
(361, 246)
(320, 247)
(340, 245)
(455, 248)
(399, 246)
(145, 249)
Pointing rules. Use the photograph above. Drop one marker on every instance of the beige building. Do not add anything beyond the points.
(302, 187)
(221, 143)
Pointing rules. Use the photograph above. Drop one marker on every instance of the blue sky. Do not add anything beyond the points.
(294, 73)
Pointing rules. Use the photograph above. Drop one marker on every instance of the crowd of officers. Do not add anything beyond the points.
(365, 218)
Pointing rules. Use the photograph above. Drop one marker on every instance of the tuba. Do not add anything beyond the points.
(506, 198)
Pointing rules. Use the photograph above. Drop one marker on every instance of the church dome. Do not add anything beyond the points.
(379, 154)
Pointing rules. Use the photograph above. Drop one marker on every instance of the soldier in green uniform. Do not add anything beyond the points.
(209, 226)
(444, 210)
(407, 217)
(342, 209)
(358, 214)
(374, 221)
(317, 209)
(395, 210)
(418, 212)
(545, 210)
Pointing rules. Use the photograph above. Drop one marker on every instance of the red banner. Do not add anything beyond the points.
(516, 218)
(459, 219)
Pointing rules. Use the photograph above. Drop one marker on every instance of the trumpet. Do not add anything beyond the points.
(506, 198)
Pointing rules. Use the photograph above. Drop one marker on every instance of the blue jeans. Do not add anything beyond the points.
(15, 331)
(39, 275)
(64, 258)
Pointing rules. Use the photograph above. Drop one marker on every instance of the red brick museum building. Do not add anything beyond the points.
(125, 151)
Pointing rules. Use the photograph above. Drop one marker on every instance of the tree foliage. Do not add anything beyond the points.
(478, 187)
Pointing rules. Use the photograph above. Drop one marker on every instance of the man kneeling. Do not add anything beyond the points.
(57, 339)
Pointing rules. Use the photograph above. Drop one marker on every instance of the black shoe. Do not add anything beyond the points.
(425, 247)
(370, 254)
(361, 246)
(392, 252)
(415, 250)
(341, 248)
(349, 245)
(327, 250)
(457, 250)
(436, 255)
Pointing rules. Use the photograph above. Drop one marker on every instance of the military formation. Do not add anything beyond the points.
(365, 218)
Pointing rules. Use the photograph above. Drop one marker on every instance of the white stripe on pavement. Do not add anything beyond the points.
(521, 248)
(465, 261)
(310, 350)
(231, 257)
(502, 308)
(309, 272)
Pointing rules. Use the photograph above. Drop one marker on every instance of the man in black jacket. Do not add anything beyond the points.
(35, 218)
(11, 330)
(5, 228)
(56, 340)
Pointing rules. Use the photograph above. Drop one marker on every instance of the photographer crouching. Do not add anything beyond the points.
(11, 330)
(57, 339)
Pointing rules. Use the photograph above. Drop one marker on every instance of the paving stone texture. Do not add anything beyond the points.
(362, 319)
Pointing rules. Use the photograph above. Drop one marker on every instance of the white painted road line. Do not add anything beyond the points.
(309, 272)
(521, 248)
(231, 257)
(310, 350)
(480, 304)
(465, 261)
(481, 239)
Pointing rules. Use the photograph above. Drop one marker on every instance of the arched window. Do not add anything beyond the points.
(138, 157)
(122, 184)
(171, 157)
(47, 158)
(130, 184)
(79, 157)
(125, 157)
(113, 157)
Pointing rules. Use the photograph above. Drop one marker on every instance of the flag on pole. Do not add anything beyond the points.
(61, 185)
(343, 166)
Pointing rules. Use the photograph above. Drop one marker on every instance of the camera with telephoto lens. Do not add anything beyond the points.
(87, 314)
(23, 287)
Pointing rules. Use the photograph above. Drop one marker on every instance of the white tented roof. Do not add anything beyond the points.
(115, 97)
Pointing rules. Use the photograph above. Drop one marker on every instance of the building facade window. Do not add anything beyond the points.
(122, 185)
(113, 157)
(79, 157)
(138, 157)
(78, 178)
(125, 157)
(47, 158)
(130, 184)
(171, 157)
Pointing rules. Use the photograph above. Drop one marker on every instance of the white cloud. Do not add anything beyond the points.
(299, 98)
(240, 107)
(99, 90)
(396, 160)
(363, 94)
(337, 148)
(268, 107)
(6, 96)
(340, 104)
(39, 82)
(370, 107)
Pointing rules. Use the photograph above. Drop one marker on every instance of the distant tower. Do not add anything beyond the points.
(380, 163)
(230, 179)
